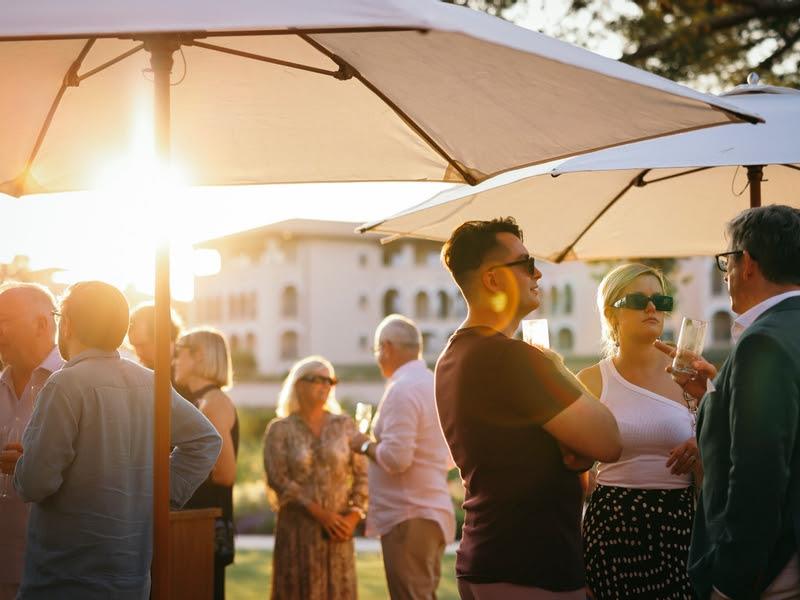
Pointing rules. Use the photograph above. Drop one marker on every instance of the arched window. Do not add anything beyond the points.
(422, 306)
(391, 302)
(289, 350)
(363, 302)
(289, 301)
(234, 343)
(233, 306)
(717, 280)
(250, 342)
(721, 328)
(565, 340)
(568, 299)
(553, 300)
(445, 305)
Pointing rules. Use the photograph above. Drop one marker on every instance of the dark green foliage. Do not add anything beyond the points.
(711, 42)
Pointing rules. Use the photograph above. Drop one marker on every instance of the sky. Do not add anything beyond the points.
(111, 233)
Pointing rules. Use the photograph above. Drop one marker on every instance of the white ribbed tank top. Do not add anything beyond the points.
(650, 426)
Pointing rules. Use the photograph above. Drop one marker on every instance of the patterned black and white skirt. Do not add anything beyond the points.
(636, 543)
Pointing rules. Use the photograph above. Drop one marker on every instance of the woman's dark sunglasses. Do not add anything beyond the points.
(639, 302)
(320, 379)
(528, 261)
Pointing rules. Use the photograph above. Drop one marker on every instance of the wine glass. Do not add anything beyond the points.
(9, 434)
(363, 416)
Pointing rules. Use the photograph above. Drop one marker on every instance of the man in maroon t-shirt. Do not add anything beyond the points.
(519, 425)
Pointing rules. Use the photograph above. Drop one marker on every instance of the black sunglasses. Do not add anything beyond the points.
(528, 261)
(639, 301)
(320, 379)
(722, 259)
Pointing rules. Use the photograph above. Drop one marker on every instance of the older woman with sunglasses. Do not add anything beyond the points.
(637, 525)
(317, 485)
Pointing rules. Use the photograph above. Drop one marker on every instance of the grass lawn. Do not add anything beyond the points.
(248, 577)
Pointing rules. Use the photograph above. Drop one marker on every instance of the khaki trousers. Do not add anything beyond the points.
(412, 557)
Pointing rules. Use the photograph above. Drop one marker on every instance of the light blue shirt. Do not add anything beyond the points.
(87, 467)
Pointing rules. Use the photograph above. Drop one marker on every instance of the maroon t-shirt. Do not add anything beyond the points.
(522, 506)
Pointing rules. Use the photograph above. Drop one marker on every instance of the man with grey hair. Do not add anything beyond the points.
(28, 351)
(410, 505)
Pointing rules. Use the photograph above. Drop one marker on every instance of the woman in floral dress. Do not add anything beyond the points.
(317, 485)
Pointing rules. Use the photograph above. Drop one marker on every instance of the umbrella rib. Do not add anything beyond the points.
(109, 63)
(266, 59)
(70, 79)
(633, 182)
(641, 182)
(348, 69)
(795, 167)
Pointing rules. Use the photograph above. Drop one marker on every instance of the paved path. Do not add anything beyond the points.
(267, 542)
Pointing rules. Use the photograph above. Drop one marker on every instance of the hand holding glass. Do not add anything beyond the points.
(690, 345)
(9, 434)
(363, 416)
(536, 332)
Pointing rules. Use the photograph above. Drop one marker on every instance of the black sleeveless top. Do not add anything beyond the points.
(210, 494)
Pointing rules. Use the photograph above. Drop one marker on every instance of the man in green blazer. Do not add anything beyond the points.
(747, 526)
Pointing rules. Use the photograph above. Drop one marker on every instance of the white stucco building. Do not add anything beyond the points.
(315, 287)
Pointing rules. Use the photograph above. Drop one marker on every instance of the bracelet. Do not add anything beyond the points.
(690, 400)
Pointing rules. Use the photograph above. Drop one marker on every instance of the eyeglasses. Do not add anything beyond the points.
(723, 260)
(528, 261)
(320, 379)
(639, 301)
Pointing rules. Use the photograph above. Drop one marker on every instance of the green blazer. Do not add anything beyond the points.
(748, 519)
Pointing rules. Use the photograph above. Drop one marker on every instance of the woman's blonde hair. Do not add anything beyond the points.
(287, 400)
(209, 349)
(611, 289)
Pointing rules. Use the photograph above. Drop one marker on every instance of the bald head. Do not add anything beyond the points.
(27, 325)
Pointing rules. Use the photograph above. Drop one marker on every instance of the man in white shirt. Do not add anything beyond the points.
(747, 527)
(410, 505)
(28, 349)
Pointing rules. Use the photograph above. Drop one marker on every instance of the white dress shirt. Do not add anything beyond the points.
(408, 479)
(13, 511)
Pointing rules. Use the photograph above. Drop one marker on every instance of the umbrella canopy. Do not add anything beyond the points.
(312, 90)
(665, 197)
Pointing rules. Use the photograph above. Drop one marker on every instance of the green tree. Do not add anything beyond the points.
(708, 42)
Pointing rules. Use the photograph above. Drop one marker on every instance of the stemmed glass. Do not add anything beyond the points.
(363, 416)
(9, 434)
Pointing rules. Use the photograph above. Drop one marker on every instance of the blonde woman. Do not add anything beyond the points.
(637, 525)
(318, 487)
(202, 367)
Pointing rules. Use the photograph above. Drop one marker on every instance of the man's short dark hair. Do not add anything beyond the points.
(97, 314)
(771, 235)
(146, 313)
(472, 241)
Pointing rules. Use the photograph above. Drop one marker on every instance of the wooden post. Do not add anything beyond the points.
(161, 50)
(755, 175)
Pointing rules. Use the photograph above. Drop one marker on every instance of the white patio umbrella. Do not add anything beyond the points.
(666, 197)
(310, 90)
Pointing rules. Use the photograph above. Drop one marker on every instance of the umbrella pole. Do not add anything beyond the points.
(161, 50)
(755, 175)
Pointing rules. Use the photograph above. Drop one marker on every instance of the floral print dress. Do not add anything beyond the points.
(302, 468)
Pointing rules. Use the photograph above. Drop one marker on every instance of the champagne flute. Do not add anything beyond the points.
(363, 416)
(690, 345)
(9, 434)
